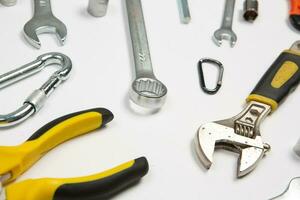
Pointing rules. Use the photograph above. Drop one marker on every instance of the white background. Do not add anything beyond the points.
(102, 59)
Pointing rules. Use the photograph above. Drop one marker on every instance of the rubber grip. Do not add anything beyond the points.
(295, 7)
(295, 14)
(15, 160)
(100, 186)
(277, 83)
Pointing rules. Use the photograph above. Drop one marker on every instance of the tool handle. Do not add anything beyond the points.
(96, 187)
(279, 81)
(295, 7)
(17, 159)
(295, 14)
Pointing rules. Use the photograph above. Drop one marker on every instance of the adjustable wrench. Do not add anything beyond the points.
(241, 133)
(44, 21)
(226, 32)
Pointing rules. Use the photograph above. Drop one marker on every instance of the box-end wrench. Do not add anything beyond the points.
(226, 32)
(44, 21)
(146, 90)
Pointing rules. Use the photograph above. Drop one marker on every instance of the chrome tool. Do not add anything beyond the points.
(250, 10)
(241, 133)
(44, 21)
(226, 32)
(37, 99)
(98, 8)
(147, 90)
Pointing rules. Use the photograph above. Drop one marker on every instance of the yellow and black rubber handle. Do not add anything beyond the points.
(96, 187)
(15, 160)
(279, 81)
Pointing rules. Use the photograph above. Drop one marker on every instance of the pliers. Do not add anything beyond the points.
(295, 14)
(15, 160)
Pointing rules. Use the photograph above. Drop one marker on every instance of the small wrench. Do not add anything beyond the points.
(44, 21)
(226, 32)
(146, 90)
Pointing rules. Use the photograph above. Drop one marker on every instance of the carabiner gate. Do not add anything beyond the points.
(37, 99)
(202, 79)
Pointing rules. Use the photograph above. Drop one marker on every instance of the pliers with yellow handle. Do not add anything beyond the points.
(15, 160)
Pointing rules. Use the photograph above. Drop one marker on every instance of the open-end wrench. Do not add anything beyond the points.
(241, 133)
(8, 2)
(226, 32)
(44, 21)
(146, 90)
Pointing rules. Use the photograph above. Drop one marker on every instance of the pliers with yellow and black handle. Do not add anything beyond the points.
(15, 160)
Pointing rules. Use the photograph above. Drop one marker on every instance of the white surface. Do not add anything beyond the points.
(101, 54)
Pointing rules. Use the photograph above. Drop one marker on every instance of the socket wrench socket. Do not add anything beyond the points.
(98, 8)
(250, 10)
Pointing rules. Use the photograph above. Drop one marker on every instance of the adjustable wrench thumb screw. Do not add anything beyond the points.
(241, 133)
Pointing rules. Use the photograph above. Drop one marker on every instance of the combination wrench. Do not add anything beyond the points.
(44, 21)
(146, 91)
(226, 32)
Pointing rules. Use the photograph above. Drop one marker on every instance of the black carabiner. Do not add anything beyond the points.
(202, 79)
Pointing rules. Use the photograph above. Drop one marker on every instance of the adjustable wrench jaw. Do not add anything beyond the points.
(213, 136)
(231, 135)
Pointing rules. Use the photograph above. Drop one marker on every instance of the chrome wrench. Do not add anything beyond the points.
(146, 90)
(226, 32)
(44, 21)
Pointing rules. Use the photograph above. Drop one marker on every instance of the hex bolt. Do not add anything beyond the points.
(98, 8)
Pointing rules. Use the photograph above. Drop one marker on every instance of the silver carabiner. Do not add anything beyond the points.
(37, 99)
(202, 79)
